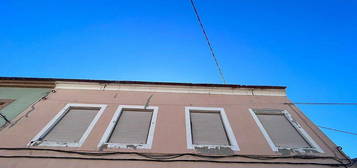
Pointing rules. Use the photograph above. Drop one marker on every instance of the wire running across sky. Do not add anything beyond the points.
(328, 103)
(208, 41)
(319, 103)
(337, 130)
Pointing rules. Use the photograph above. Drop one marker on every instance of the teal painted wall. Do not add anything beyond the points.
(24, 97)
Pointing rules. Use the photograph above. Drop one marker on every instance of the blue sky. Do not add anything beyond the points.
(309, 46)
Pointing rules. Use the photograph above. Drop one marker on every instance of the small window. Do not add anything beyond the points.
(206, 126)
(70, 127)
(281, 131)
(131, 126)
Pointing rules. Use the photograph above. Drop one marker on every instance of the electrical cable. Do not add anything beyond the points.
(208, 41)
(305, 120)
(172, 156)
(321, 103)
(337, 130)
(176, 160)
(33, 107)
(177, 155)
(332, 129)
(339, 149)
(328, 128)
(182, 104)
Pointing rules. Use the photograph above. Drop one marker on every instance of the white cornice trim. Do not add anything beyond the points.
(170, 89)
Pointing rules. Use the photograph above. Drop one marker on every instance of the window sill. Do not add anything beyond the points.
(298, 150)
(126, 146)
(233, 148)
(54, 144)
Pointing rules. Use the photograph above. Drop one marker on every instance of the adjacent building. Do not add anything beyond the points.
(16, 95)
(98, 123)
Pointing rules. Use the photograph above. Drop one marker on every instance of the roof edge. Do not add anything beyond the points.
(140, 82)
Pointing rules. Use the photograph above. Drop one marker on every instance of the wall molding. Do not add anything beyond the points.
(170, 89)
(27, 83)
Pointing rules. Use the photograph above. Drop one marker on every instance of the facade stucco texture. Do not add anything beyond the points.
(170, 131)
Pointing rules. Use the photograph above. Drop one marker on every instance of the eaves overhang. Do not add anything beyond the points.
(51, 81)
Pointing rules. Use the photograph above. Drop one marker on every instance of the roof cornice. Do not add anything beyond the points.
(27, 83)
(44, 81)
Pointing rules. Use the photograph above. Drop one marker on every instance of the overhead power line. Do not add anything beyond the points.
(333, 129)
(208, 41)
(308, 103)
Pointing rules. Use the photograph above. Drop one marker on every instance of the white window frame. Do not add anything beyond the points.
(115, 119)
(230, 135)
(295, 124)
(37, 139)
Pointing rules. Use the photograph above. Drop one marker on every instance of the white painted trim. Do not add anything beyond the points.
(115, 119)
(232, 139)
(170, 89)
(304, 134)
(37, 139)
(264, 132)
(295, 124)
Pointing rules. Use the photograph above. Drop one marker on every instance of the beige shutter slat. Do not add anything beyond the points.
(282, 133)
(132, 127)
(72, 126)
(207, 129)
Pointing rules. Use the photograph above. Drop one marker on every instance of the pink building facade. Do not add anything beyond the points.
(111, 124)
